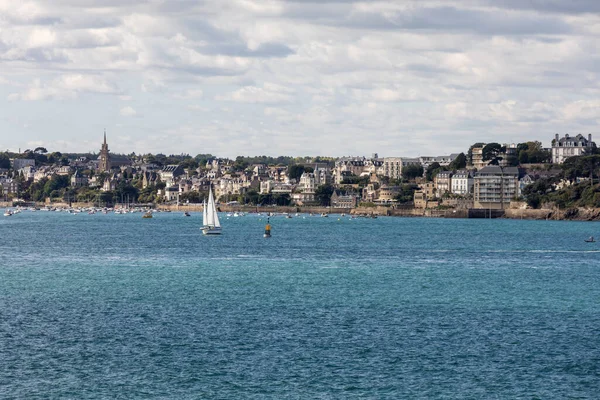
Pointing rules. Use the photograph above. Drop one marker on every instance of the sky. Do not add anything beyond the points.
(296, 77)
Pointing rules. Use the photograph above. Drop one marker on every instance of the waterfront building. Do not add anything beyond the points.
(338, 200)
(302, 198)
(443, 182)
(387, 194)
(567, 146)
(494, 187)
(171, 193)
(462, 183)
(274, 187)
(9, 185)
(307, 182)
(104, 158)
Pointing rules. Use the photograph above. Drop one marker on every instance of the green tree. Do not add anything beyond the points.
(295, 171)
(460, 162)
(410, 172)
(55, 184)
(4, 161)
(433, 169)
(323, 194)
(491, 152)
(407, 193)
(283, 199)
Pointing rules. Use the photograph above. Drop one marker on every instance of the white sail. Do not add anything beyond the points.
(210, 213)
(204, 213)
(215, 215)
(210, 219)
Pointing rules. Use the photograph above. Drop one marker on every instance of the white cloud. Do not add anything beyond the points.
(128, 111)
(270, 93)
(189, 94)
(427, 72)
(65, 87)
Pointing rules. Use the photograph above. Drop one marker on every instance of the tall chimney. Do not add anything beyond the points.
(557, 139)
(589, 139)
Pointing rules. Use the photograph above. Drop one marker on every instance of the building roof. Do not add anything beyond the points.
(579, 139)
(497, 170)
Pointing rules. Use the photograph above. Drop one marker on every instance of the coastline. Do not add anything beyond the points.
(569, 214)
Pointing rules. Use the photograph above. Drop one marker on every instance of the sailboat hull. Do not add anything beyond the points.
(211, 231)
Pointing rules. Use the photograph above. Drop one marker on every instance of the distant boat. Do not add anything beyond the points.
(590, 240)
(210, 218)
(324, 215)
(8, 213)
(147, 215)
(186, 214)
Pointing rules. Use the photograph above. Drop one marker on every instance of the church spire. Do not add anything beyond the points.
(104, 164)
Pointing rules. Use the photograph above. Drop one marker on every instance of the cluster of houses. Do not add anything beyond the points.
(478, 186)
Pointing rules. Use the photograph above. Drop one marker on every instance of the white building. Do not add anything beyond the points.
(307, 183)
(567, 146)
(462, 183)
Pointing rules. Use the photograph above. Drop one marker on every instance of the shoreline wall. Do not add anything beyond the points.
(569, 214)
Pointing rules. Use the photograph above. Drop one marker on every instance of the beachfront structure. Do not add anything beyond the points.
(462, 183)
(494, 187)
(343, 201)
(387, 194)
(567, 146)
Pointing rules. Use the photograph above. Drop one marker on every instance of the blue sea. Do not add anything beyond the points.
(121, 307)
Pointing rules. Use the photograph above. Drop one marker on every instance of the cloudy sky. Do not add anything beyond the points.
(296, 77)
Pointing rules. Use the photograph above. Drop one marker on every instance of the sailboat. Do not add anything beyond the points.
(210, 219)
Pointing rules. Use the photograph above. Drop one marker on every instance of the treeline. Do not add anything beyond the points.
(580, 177)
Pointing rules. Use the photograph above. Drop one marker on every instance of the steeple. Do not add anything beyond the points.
(104, 164)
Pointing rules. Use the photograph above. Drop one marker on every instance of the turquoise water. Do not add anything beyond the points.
(116, 306)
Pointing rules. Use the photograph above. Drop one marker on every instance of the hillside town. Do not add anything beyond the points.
(489, 176)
